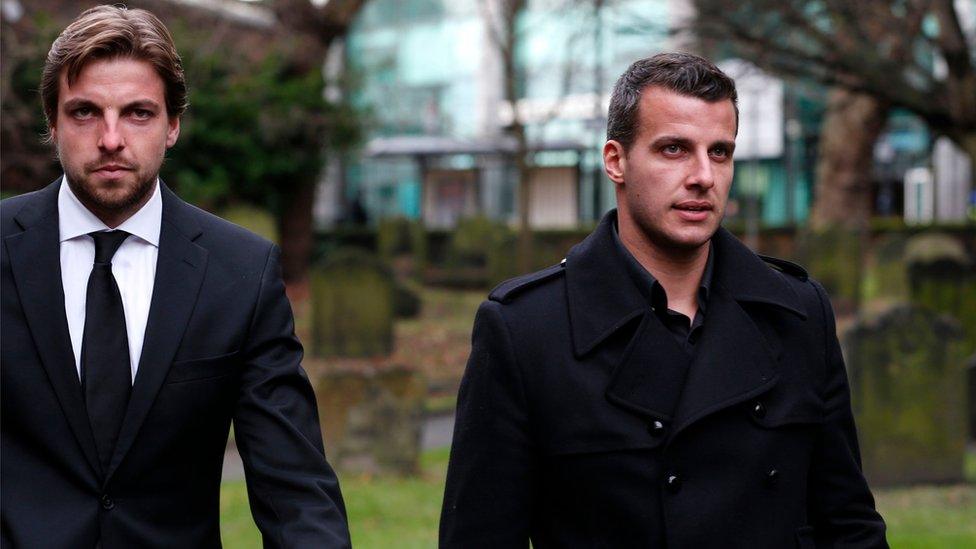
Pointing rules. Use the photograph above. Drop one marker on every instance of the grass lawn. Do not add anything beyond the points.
(383, 512)
(403, 513)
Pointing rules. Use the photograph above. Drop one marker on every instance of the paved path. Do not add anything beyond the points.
(436, 434)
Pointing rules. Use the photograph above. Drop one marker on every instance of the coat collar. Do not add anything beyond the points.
(603, 297)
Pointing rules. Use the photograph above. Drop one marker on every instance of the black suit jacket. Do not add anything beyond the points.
(219, 346)
(581, 421)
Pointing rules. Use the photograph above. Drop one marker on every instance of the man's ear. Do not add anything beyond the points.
(615, 161)
(173, 133)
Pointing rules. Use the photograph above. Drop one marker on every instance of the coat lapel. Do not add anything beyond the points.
(35, 261)
(605, 298)
(180, 268)
(734, 361)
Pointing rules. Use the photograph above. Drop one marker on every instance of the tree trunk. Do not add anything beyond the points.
(297, 236)
(850, 129)
(523, 260)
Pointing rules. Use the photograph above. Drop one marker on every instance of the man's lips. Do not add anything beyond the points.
(112, 168)
(694, 205)
(693, 210)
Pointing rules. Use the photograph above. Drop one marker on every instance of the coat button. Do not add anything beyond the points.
(673, 482)
(107, 502)
(759, 410)
(772, 477)
(656, 428)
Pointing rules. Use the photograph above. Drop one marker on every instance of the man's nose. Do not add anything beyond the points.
(111, 139)
(703, 172)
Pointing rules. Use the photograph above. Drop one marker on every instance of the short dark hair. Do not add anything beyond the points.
(109, 32)
(684, 73)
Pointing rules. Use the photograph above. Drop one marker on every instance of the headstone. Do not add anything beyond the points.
(943, 278)
(352, 305)
(907, 368)
(971, 396)
(372, 421)
(833, 257)
(403, 243)
(885, 277)
(255, 219)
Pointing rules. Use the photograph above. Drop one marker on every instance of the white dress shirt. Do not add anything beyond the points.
(134, 266)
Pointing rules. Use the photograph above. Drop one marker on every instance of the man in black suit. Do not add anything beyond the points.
(663, 386)
(137, 327)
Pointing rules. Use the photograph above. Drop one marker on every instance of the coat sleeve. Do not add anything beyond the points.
(293, 492)
(841, 507)
(488, 496)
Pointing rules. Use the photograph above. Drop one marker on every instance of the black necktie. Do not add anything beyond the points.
(105, 373)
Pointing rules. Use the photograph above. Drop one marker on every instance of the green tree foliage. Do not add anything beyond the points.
(255, 131)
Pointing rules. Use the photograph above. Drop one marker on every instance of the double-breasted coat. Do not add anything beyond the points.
(581, 421)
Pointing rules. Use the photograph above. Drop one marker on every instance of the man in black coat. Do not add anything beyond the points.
(663, 386)
(137, 327)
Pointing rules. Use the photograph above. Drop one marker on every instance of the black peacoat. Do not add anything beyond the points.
(581, 422)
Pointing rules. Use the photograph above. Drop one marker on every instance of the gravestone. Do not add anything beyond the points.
(907, 369)
(403, 243)
(885, 277)
(352, 305)
(372, 421)
(943, 278)
(971, 394)
(833, 256)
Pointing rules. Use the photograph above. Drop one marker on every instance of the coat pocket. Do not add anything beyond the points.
(202, 368)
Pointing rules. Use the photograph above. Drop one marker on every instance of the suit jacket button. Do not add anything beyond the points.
(107, 502)
(673, 482)
(772, 477)
(656, 428)
(759, 410)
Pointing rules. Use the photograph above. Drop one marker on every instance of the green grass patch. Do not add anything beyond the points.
(383, 511)
(930, 516)
(395, 512)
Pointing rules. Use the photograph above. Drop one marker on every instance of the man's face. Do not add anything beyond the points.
(673, 183)
(111, 133)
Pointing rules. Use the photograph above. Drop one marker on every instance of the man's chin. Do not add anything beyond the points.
(113, 195)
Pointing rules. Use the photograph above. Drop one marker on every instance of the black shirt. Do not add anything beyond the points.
(686, 332)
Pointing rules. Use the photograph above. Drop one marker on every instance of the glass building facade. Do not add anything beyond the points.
(429, 73)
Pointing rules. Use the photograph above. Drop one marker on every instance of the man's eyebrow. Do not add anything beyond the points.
(730, 145)
(141, 104)
(670, 140)
(78, 102)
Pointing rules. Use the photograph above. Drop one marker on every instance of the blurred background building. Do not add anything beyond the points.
(431, 74)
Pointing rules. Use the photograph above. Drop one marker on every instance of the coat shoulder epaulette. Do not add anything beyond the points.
(787, 267)
(507, 290)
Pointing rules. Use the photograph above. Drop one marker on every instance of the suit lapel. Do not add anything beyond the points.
(180, 268)
(35, 261)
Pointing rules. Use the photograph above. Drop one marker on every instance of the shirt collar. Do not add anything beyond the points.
(649, 285)
(75, 220)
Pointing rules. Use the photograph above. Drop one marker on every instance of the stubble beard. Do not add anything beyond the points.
(116, 201)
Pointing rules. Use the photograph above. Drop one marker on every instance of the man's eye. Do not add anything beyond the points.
(82, 113)
(671, 149)
(142, 114)
(720, 152)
